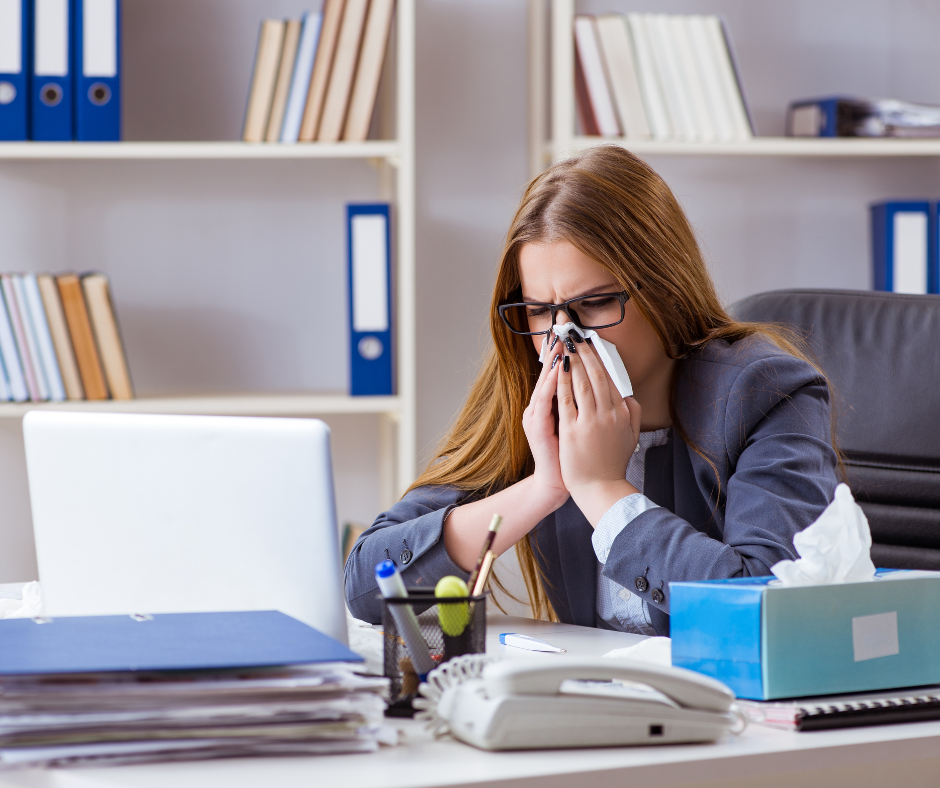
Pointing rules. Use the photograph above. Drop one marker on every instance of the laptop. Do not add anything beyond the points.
(176, 514)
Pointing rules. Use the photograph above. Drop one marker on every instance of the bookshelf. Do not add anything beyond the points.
(551, 109)
(221, 174)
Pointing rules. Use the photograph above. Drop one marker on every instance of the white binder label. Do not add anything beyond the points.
(11, 37)
(52, 38)
(875, 636)
(910, 252)
(369, 273)
(99, 48)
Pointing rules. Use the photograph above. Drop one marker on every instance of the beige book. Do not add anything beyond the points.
(270, 42)
(374, 42)
(104, 326)
(61, 341)
(319, 78)
(344, 69)
(284, 75)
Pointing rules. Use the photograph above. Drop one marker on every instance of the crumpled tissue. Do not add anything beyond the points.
(834, 549)
(606, 351)
(26, 604)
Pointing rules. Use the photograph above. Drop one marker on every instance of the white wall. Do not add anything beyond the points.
(229, 275)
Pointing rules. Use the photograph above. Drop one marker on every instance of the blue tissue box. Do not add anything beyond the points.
(767, 641)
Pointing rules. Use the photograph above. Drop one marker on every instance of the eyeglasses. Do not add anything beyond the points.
(601, 310)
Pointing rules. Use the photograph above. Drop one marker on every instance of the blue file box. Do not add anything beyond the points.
(767, 641)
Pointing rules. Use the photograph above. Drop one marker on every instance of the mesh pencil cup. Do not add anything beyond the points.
(449, 626)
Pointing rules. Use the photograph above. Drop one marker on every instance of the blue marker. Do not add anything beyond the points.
(392, 587)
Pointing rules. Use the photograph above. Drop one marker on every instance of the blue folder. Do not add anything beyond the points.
(14, 85)
(50, 92)
(885, 267)
(370, 299)
(97, 71)
(171, 641)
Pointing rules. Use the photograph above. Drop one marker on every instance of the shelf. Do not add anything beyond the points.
(221, 405)
(771, 146)
(144, 151)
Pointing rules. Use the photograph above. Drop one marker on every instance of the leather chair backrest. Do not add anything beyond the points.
(881, 352)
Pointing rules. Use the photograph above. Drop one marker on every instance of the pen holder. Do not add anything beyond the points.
(439, 621)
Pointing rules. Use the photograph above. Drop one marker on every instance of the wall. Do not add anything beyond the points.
(228, 275)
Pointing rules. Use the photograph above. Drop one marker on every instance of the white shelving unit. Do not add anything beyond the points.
(395, 162)
(552, 136)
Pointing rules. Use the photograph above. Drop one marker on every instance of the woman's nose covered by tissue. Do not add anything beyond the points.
(606, 351)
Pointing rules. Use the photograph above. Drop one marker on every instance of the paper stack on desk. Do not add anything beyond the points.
(127, 689)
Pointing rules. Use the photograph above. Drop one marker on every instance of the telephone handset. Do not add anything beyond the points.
(529, 704)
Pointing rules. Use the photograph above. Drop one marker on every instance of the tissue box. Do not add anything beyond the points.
(768, 641)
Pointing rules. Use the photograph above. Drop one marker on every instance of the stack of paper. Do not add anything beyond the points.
(133, 717)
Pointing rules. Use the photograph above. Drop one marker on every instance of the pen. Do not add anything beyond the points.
(487, 546)
(390, 584)
(528, 643)
(484, 575)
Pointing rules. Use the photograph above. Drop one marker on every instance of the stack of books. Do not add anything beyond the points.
(109, 690)
(316, 79)
(59, 339)
(658, 76)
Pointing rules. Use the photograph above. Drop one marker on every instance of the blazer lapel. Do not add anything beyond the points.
(578, 563)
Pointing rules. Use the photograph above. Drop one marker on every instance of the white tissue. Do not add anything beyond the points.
(25, 603)
(606, 351)
(834, 549)
(655, 650)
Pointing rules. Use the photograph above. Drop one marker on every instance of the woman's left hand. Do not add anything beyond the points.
(597, 432)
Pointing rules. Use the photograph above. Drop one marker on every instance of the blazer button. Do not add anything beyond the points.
(640, 584)
(658, 596)
(405, 556)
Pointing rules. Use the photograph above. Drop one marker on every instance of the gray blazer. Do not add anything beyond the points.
(763, 419)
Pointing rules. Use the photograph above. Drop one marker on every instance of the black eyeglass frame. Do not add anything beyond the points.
(623, 296)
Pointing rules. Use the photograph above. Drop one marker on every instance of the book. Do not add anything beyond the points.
(267, 60)
(19, 335)
(43, 337)
(904, 247)
(97, 70)
(59, 330)
(300, 80)
(10, 355)
(691, 80)
(285, 73)
(613, 35)
(846, 711)
(30, 333)
(107, 337)
(707, 67)
(322, 66)
(343, 71)
(667, 67)
(83, 341)
(365, 87)
(595, 78)
(650, 87)
(14, 57)
(720, 45)
(51, 92)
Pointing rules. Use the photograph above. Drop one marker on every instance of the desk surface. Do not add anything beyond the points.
(907, 755)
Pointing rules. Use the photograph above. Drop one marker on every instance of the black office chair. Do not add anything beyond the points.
(882, 353)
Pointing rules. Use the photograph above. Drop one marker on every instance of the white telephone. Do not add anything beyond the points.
(524, 704)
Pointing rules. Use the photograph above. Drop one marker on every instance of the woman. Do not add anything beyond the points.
(724, 452)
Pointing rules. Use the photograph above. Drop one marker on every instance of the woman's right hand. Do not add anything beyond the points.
(538, 422)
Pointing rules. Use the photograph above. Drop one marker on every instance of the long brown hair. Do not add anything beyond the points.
(615, 209)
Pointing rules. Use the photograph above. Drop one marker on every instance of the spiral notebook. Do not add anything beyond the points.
(847, 711)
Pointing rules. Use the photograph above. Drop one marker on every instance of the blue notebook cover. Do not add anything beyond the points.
(370, 299)
(97, 70)
(171, 641)
(50, 91)
(14, 59)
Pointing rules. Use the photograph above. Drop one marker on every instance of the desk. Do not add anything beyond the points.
(903, 755)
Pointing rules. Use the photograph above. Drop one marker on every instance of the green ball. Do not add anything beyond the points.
(454, 617)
